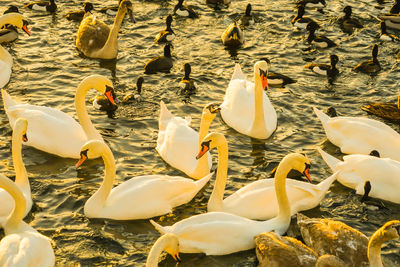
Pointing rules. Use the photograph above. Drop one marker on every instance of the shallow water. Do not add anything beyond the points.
(47, 69)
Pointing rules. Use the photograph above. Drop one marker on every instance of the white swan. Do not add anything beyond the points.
(246, 108)
(358, 135)
(169, 243)
(21, 177)
(178, 144)
(248, 200)
(140, 197)
(6, 61)
(22, 245)
(96, 40)
(54, 131)
(355, 170)
(220, 233)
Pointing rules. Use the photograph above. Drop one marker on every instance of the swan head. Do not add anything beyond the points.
(298, 162)
(20, 127)
(172, 245)
(17, 20)
(389, 231)
(101, 84)
(91, 149)
(211, 141)
(210, 111)
(261, 72)
(126, 7)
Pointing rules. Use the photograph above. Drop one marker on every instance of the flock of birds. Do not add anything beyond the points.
(239, 222)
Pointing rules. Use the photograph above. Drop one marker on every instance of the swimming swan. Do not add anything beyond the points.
(140, 197)
(96, 40)
(249, 200)
(246, 108)
(382, 173)
(169, 243)
(6, 61)
(358, 135)
(178, 144)
(220, 233)
(21, 177)
(54, 131)
(22, 245)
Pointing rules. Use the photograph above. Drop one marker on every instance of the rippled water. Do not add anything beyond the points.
(47, 70)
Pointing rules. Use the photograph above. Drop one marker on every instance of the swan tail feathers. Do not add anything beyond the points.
(158, 227)
(165, 116)
(325, 184)
(321, 116)
(200, 183)
(238, 73)
(331, 161)
(7, 100)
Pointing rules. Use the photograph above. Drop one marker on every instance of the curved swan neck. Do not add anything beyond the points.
(258, 127)
(5, 56)
(14, 220)
(81, 111)
(280, 190)
(374, 256)
(102, 193)
(156, 250)
(215, 203)
(10, 18)
(110, 48)
(21, 176)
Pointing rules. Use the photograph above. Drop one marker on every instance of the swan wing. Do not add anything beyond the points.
(92, 34)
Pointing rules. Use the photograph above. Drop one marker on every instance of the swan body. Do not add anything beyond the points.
(22, 245)
(96, 40)
(220, 233)
(140, 197)
(54, 131)
(21, 177)
(246, 201)
(6, 61)
(169, 243)
(358, 135)
(246, 108)
(178, 144)
(233, 36)
(355, 170)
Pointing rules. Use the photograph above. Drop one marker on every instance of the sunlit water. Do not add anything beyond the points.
(47, 69)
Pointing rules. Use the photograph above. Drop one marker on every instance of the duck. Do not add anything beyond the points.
(311, 3)
(138, 95)
(49, 6)
(221, 233)
(178, 144)
(386, 36)
(246, 108)
(9, 33)
(22, 245)
(326, 236)
(319, 40)
(21, 177)
(390, 111)
(392, 19)
(111, 10)
(184, 11)
(154, 195)
(299, 21)
(330, 71)
(247, 19)
(188, 86)
(6, 61)
(395, 9)
(97, 40)
(245, 202)
(348, 23)
(356, 169)
(233, 36)
(277, 79)
(166, 35)
(162, 63)
(54, 131)
(371, 66)
(359, 135)
(79, 15)
(168, 243)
